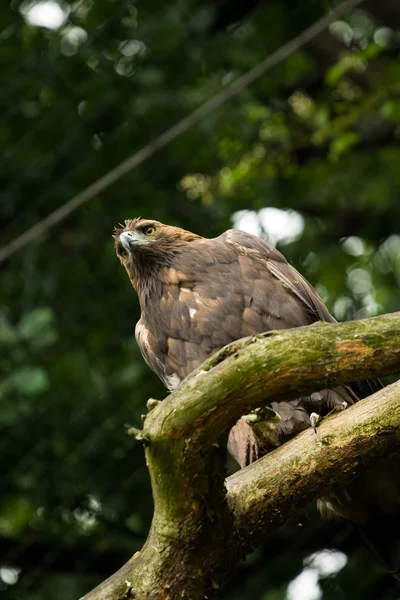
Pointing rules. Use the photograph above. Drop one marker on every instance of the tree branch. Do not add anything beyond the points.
(347, 443)
(199, 532)
(283, 364)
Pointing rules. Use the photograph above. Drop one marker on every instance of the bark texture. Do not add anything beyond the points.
(203, 524)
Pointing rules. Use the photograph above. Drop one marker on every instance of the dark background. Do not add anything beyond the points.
(317, 135)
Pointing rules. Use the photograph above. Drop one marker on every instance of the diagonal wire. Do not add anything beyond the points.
(61, 149)
(147, 151)
(65, 145)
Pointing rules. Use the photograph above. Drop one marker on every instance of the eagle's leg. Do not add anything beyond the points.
(315, 418)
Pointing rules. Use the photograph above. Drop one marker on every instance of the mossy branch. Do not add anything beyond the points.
(278, 364)
(199, 530)
(346, 444)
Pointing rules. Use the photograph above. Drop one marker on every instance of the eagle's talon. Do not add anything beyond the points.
(314, 420)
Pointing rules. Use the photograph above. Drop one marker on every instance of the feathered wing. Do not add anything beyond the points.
(220, 290)
(370, 502)
(284, 299)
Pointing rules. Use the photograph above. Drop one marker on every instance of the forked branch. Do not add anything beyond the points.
(202, 527)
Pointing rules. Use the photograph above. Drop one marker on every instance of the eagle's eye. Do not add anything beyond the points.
(150, 230)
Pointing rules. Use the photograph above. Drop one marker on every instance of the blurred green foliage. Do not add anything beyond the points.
(318, 135)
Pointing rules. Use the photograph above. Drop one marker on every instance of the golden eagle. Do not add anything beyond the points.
(196, 296)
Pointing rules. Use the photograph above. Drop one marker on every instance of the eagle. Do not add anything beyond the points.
(197, 295)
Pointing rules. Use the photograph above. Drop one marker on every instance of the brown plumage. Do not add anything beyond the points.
(197, 295)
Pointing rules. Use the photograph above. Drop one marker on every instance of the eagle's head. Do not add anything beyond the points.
(143, 246)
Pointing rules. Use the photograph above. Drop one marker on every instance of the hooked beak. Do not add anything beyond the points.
(129, 240)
